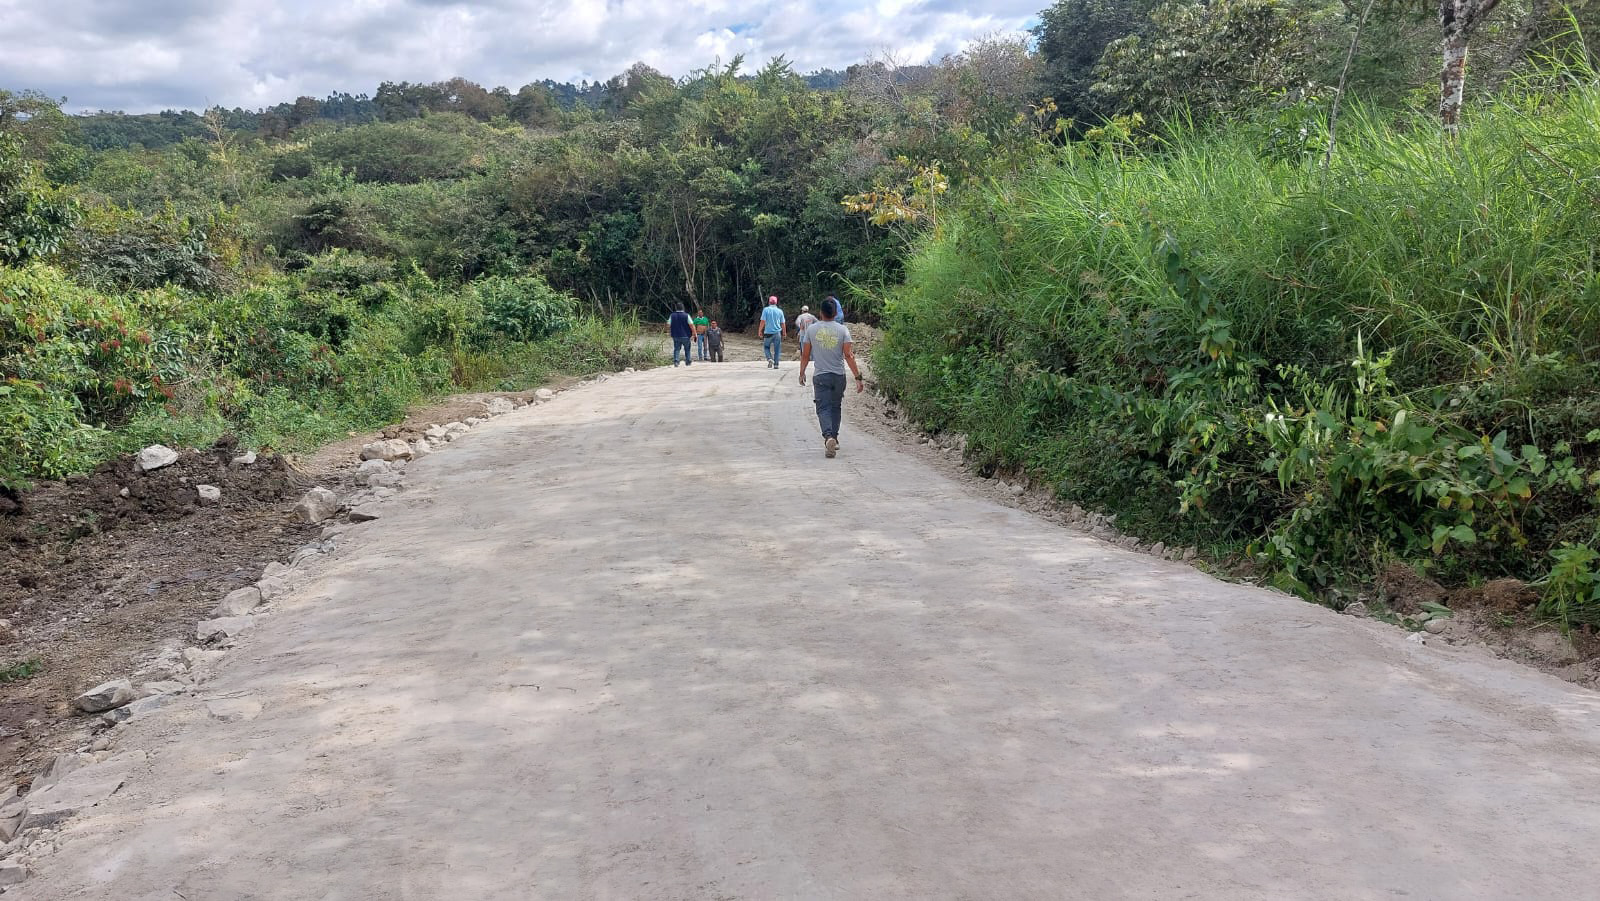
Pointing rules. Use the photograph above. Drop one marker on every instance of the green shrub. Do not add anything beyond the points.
(520, 308)
(1572, 588)
(347, 272)
(121, 251)
(20, 670)
(438, 147)
(1327, 370)
(41, 434)
(286, 422)
(291, 362)
(34, 216)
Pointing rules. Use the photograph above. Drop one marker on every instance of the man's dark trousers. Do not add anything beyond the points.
(829, 390)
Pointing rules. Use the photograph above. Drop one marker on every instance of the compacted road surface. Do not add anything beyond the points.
(642, 641)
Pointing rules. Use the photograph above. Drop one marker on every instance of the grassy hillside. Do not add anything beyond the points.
(1325, 370)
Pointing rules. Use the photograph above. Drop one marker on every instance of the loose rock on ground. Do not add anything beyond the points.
(156, 456)
(239, 602)
(106, 696)
(317, 505)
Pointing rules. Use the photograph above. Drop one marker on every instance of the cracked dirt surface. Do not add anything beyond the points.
(643, 641)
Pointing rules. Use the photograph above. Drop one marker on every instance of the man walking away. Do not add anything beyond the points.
(774, 328)
(801, 323)
(840, 318)
(682, 330)
(714, 341)
(701, 323)
(828, 343)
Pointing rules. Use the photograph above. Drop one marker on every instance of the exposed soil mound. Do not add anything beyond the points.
(1498, 596)
(118, 494)
(97, 571)
(1406, 590)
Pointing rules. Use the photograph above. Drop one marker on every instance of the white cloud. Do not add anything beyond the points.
(159, 54)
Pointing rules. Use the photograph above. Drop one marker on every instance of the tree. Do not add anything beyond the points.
(1208, 58)
(398, 102)
(1344, 80)
(469, 97)
(1458, 19)
(33, 216)
(303, 111)
(222, 150)
(534, 106)
(988, 84)
(1073, 36)
(273, 124)
(34, 119)
(885, 84)
(624, 90)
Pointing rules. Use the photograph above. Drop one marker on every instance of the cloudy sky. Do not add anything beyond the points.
(145, 55)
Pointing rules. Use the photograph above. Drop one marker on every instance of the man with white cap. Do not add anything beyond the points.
(802, 322)
(774, 328)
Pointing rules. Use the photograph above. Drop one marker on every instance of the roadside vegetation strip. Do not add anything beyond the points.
(1317, 374)
(292, 362)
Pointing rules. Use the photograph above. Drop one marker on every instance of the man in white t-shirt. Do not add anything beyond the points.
(803, 322)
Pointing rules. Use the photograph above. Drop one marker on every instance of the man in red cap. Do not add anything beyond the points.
(774, 328)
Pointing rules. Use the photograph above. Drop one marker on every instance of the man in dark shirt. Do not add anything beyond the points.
(714, 341)
(682, 329)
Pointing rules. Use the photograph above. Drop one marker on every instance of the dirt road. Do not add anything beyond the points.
(643, 641)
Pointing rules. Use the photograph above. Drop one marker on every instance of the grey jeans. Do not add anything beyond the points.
(829, 392)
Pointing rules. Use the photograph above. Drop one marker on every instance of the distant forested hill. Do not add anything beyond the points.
(536, 104)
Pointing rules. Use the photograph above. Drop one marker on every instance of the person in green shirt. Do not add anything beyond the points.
(701, 323)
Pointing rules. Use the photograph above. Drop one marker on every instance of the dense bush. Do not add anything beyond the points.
(1392, 359)
(439, 147)
(34, 216)
(289, 362)
(123, 251)
(521, 308)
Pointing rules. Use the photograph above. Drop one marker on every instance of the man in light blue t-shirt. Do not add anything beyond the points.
(773, 329)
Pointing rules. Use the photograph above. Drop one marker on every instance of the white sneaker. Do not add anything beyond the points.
(830, 447)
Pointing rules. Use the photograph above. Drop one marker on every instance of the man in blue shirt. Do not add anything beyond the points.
(682, 329)
(774, 327)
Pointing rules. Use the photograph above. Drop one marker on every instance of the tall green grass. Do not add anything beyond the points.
(1200, 335)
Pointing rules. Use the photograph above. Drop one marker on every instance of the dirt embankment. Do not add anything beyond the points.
(1498, 614)
(98, 570)
(101, 571)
